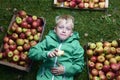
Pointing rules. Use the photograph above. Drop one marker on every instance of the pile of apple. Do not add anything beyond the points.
(83, 4)
(104, 60)
(24, 32)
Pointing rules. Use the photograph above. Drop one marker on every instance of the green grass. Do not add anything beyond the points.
(99, 25)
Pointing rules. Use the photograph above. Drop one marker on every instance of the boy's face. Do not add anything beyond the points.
(63, 30)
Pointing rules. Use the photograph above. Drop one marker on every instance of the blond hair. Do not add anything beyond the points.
(66, 18)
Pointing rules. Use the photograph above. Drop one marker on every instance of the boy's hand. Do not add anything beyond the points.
(57, 70)
(53, 53)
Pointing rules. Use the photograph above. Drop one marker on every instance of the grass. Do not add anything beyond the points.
(98, 25)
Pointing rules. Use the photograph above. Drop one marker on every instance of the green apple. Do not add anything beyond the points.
(10, 54)
(114, 43)
(18, 20)
(20, 42)
(92, 45)
(16, 58)
(1, 55)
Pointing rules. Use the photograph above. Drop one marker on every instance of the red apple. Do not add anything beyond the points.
(23, 56)
(110, 75)
(107, 44)
(29, 19)
(78, 1)
(12, 47)
(33, 43)
(35, 24)
(24, 24)
(19, 42)
(22, 13)
(22, 35)
(6, 46)
(33, 31)
(60, 1)
(26, 46)
(106, 68)
(39, 29)
(6, 39)
(14, 36)
(114, 67)
(93, 58)
(81, 5)
(118, 77)
(118, 50)
(72, 4)
(11, 42)
(94, 72)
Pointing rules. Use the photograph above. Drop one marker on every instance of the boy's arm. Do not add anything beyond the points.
(78, 62)
(38, 51)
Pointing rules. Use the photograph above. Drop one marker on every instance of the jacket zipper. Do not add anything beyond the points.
(55, 62)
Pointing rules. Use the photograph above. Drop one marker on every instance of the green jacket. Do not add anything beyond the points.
(72, 60)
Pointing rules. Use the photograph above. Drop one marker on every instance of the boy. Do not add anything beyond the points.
(60, 52)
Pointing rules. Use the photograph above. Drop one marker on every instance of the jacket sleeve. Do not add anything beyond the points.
(78, 61)
(38, 52)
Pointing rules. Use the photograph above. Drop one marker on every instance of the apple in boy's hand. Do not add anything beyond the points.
(60, 53)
